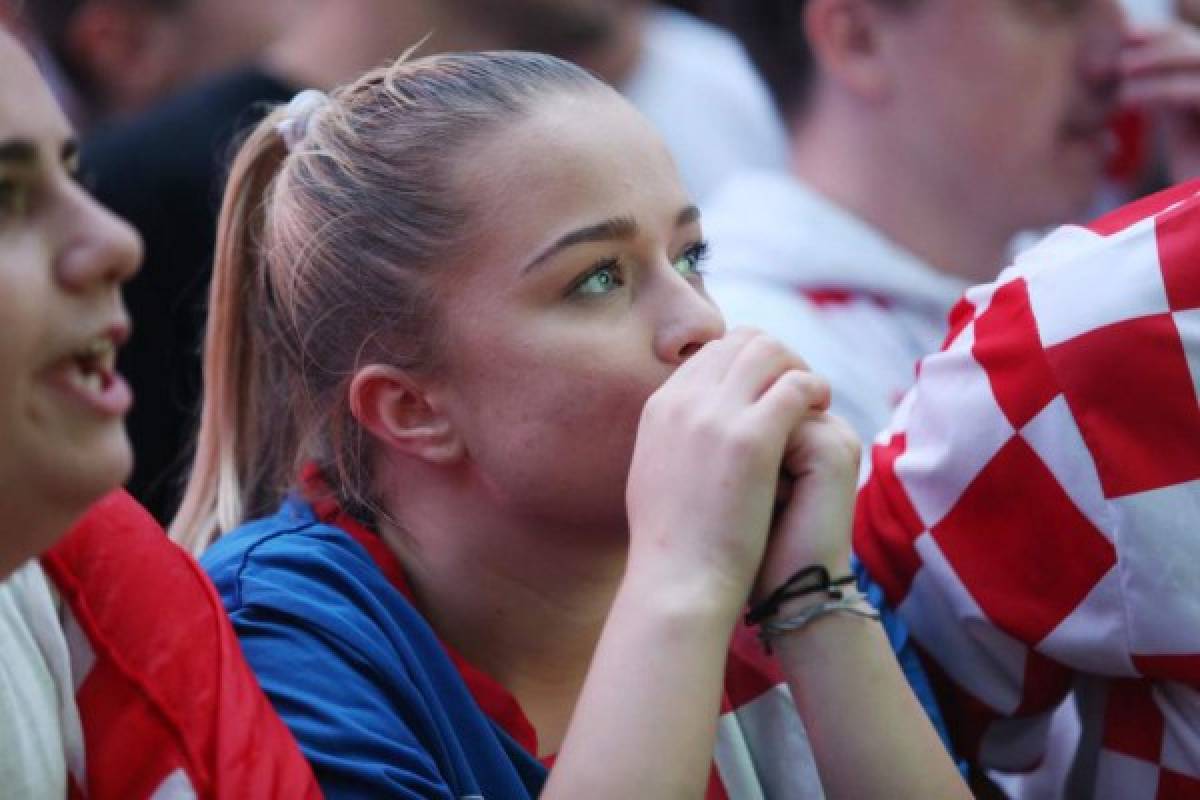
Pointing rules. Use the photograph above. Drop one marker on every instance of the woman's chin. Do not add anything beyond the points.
(92, 474)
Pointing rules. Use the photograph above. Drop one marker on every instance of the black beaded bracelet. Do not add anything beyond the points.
(809, 580)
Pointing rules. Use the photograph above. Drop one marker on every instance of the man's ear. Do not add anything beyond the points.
(399, 411)
(845, 37)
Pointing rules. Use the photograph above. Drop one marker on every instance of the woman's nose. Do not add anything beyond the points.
(99, 249)
(689, 320)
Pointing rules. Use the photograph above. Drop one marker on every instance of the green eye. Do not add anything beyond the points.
(604, 278)
(688, 264)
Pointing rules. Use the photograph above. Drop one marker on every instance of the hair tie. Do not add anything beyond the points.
(294, 125)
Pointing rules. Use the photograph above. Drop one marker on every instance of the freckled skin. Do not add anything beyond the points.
(555, 442)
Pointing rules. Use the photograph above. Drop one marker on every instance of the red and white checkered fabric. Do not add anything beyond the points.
(1034, 510)
(169, 707)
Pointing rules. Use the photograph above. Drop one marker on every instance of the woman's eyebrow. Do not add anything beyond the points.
(609, 229)
(23, 153)
(69, 152)
(687, 216)
(18, 153)
(615, 228)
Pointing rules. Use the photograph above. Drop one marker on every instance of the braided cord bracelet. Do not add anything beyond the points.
(807, 581)
(850, 603)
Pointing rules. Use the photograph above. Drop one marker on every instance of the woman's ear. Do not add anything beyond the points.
(845, 36)
(398, 411)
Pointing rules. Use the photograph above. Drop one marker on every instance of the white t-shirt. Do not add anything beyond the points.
(40, 734)
(700, 90)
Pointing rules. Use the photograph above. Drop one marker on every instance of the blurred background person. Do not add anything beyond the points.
(163, 169)
(119, 672)
(691, 78)
(925, 135)
(10, 16)
(1157, 127)
(112, 58)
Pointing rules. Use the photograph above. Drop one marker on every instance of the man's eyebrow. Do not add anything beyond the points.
(609, 229)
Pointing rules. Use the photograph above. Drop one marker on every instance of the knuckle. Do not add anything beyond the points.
(800, 387)
(769, 348)
(846, 438)
(854, 447)
(745, 332)
(792, 395)
(664, 406)
(690, 423)
(796, 362)
(742, 443)
(761, 342)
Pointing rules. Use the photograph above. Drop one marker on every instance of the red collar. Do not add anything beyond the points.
(495, 701)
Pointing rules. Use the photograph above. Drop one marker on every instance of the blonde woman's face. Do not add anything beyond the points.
(580, 297)
(62, 261)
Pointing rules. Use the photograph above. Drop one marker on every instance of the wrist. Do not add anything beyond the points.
(831, 639)
(682, 595)
(808, 596)
(775, 575)
(795, 622)
(816, 582)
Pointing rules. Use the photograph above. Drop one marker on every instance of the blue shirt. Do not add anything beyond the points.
(368, 690)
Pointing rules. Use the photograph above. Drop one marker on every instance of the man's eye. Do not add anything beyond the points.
(603, 278)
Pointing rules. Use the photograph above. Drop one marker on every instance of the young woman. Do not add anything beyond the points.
(528, 481)
(62, 261)
(119, 675)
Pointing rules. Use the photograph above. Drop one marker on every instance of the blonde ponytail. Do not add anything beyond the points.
(230, 444)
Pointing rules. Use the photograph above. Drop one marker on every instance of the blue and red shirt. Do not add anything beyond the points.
(382, 708)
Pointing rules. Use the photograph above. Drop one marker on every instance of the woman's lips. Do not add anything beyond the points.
(100, 388)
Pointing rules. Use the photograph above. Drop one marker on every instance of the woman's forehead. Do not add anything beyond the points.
(28, 111)
(571, 163)
(572, 150)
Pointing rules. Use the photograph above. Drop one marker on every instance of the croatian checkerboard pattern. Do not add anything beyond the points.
(1034, 509)
(169, 708)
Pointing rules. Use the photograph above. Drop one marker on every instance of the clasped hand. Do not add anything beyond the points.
(740, 476)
